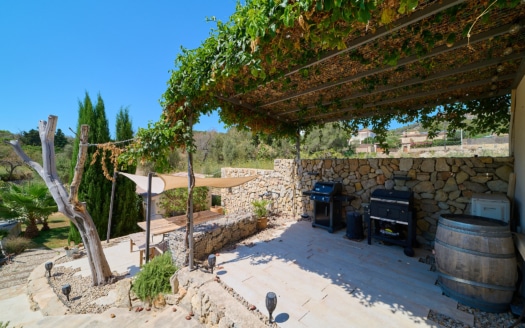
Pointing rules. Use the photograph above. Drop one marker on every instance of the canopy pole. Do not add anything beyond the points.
(298, 145)
(295, 168)
(111, 204)
(190, 199)
(148, 214)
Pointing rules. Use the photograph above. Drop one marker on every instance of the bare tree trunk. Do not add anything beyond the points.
(69, 204)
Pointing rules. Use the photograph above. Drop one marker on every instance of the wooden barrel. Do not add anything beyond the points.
(476, 261)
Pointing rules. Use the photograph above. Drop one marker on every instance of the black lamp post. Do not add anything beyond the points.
(66, 290)
(271, 303)
(48, 266)
(211, 261)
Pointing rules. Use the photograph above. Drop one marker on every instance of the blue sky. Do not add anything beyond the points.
(52, 52)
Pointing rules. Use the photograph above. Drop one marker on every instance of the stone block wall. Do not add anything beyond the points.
(278, 185)
(211, 236)
(440, 185)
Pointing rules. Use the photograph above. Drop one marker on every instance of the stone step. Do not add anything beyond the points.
(18, 268)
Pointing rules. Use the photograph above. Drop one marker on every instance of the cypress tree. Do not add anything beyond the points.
(60, 139)
(127, 206)
(95, 189)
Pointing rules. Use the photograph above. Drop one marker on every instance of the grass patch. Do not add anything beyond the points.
(56, 237)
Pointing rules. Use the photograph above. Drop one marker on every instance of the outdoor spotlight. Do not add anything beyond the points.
(48, 266)
(66, 290)
(271, 303)
(211, 261)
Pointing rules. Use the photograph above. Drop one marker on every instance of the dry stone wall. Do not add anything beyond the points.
(211, 236)
(440, 185)
(278, 185)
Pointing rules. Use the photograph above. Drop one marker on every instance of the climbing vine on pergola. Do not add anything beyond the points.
(281, 67)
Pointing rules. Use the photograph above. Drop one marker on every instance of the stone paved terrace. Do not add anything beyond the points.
(326, 280)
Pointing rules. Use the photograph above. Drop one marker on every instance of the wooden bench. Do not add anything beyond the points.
(158, 227)
(139, 240)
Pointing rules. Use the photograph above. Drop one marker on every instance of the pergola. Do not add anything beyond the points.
(393, 66)
(282, 67)
(362, 80)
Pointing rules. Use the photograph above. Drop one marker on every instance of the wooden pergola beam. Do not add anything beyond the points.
(414, 81)
(433, 104)
(402, 62)
(415, 96)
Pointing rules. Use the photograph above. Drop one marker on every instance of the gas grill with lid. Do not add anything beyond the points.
(327, 205)
(390, 218)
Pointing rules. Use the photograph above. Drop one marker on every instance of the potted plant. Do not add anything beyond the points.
(217, 209)
(260, 208)
(71, 251)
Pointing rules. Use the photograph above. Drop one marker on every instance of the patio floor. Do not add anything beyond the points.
(326, 280)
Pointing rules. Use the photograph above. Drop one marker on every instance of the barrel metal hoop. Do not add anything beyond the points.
(472, 302)
(468, 251)
(492, 234)
(476, 283)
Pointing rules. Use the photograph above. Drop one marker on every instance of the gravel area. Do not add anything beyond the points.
(481, 319)
(83, 295)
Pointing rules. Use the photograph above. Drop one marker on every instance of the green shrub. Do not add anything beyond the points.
(3, 234)
(16, 245)
(174, 201)
(4, 324)
(215, 200)
(154, 278)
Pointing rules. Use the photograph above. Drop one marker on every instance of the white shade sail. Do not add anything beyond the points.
(172, 182)
(157, 184)
(163, 182)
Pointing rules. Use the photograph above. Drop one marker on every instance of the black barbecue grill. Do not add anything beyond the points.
(390, 218)
(328, 212)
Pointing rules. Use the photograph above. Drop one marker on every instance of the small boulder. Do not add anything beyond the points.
(159, 302)
(122, 291)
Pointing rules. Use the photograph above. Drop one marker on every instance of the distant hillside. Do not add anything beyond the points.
(12, 168)
(409, 127)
